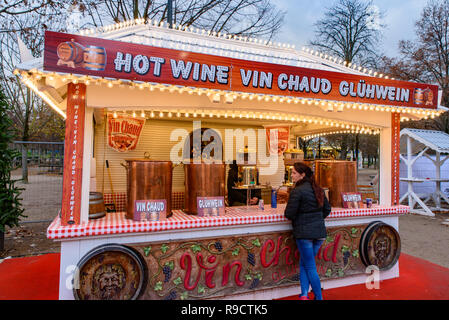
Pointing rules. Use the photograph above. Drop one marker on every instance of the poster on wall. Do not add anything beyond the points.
(73, 155)
(283, 133)
(123, 131)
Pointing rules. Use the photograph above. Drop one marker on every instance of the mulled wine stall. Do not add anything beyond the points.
(154, 118)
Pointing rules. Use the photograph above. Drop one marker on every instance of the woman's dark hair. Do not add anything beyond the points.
(233, 165)
(303, 168)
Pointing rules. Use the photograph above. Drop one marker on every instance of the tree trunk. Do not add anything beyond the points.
(2, 241)
(344, 148)
(135, 9)
(319, 148)
(170, 13)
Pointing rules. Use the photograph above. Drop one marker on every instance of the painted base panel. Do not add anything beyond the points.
(73, 249)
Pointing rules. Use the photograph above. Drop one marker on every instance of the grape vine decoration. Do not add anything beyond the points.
(170, 289)
(347, 251)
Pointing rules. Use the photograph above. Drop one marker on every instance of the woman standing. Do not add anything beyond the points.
(307, 208)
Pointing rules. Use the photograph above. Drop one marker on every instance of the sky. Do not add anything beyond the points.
(400, 18)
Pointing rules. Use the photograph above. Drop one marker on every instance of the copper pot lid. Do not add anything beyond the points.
(147, 160)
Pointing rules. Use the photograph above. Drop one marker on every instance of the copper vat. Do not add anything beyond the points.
(309, 163)
(148, 180)
(202, 180)
(337, 176)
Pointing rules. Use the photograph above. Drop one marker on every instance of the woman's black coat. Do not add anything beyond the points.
(306, 216)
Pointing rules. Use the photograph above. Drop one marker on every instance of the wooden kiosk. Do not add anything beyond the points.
(173, 82)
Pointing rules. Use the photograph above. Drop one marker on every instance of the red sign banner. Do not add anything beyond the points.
(73, 154)
(108, 58)
(123, 131)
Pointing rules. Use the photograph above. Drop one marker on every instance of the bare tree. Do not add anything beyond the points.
(425, 59)
(351, 30)
(27, 21)
(343, 143)
(238, 17)
(19, 7)
(28, 110)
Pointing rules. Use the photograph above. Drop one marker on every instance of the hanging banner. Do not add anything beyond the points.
(395, 157)
(76, 54)
(73, 154)
(283, 139)
(123, 131)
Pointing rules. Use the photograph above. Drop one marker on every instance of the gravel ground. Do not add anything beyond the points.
(426, 237)
(42, 195)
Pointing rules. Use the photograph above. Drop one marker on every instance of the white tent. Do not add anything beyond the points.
(416, 143)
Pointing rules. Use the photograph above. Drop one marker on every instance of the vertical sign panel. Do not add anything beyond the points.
(73, 154)
(395, 150)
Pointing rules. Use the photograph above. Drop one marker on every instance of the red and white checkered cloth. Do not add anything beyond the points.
(116, 223)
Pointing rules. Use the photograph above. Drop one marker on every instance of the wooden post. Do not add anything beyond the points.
(24, 163)
(2, 241)
(73, 154)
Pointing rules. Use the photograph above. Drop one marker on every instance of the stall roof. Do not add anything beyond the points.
(200, 41)
(435, 140)
(53, 88)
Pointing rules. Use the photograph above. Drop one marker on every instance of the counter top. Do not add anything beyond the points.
(116, 223)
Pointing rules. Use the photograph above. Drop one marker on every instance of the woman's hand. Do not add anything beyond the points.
(254, 200)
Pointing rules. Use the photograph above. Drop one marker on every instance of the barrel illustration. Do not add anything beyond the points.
(70, 53)
(94, 58)
(380, 245)
(96, 205)
(110, 272)
(418, 96)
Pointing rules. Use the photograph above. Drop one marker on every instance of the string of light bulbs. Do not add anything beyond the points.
(228, 97)
(230, 37)
(155, 113)
(322, 134)
(338, 106)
